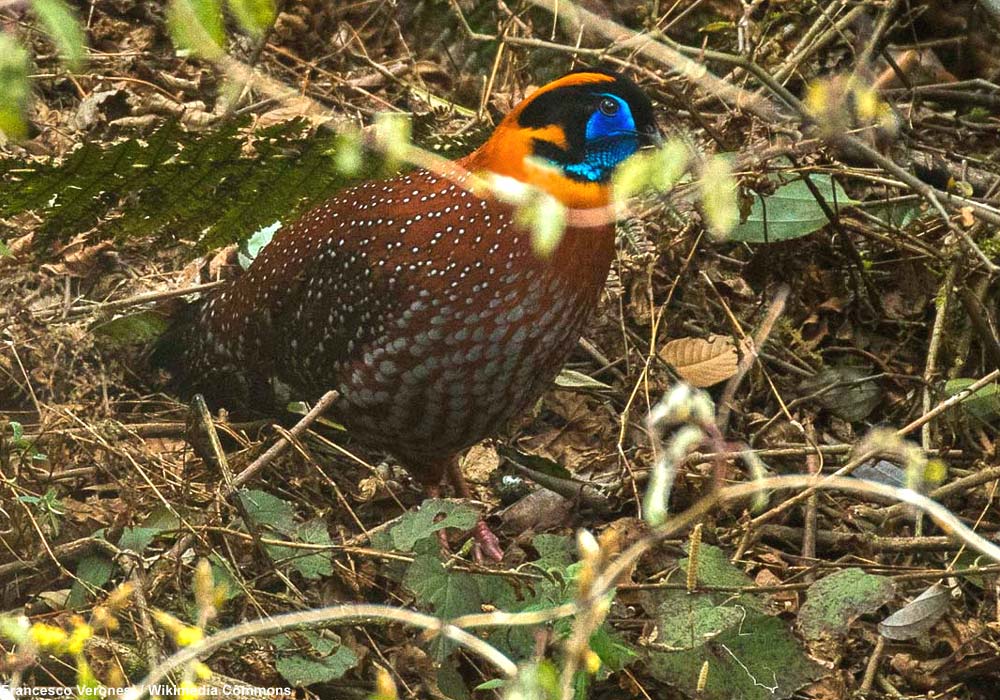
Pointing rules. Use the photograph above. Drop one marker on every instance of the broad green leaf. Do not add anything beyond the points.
(254, 16)
(311, 564)
(614, 652)
(325, 659)
(844, 391)
(63, 26)
(137, 538)
(92, 572)
(837, 600)
(719, 196)
(224, 577)
(756, 658)
(791, 211)
(196, 26)
(448, 593)
(450, 682)
(420, 524)
(750, 654)
(268, 510)
(132, 329)
(983, 404)
(555, 553)
(15, 89)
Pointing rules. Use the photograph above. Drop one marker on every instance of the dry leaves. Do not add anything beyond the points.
(702, 362)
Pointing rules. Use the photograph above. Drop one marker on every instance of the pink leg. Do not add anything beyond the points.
(486, 543)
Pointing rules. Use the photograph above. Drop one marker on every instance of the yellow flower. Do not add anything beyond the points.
(188, 691)
(78, 638)
(48, 637)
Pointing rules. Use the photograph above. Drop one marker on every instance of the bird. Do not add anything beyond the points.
(421, 300)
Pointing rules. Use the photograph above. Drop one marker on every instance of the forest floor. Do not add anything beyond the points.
(869, 307)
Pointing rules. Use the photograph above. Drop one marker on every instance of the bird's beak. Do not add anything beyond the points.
(653, 136)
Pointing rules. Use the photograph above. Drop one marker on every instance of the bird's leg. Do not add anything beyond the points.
(486, 543)
(434, 491)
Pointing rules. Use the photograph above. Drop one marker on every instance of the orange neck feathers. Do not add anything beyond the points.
(509, 152)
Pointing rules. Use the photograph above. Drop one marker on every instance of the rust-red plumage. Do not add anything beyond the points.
(422, 303)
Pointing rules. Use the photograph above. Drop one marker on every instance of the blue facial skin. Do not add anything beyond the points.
(610, 139)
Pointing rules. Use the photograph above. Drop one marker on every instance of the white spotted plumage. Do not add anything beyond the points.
(435, 323)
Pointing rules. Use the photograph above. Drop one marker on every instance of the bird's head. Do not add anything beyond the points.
(568, 136)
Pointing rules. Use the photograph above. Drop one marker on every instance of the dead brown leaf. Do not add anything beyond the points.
(702, 362)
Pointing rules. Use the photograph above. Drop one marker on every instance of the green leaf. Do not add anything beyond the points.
(449, 594)
(224, 577)
(251, 247)
(132, 329)
(393, 132)
(63, 26)
(555, 553)
(92, 572)
(983, 404)
(254, 16)
(715, 569)
(837, 600)
(311, 564)
(844, 391)
(196, 27)
(791, 211)
(490, 684)
(420, 524)
(756, 658)
(611, 648)
(137, 538)
(15, 89)
(268, 510)
(450, 682)
(535, 462)
(211, 188)
(658, 170)
(325, 658)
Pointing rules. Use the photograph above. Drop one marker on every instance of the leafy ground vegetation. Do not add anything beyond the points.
(845, 329)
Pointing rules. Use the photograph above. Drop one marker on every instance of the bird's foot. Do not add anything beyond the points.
(485, 543)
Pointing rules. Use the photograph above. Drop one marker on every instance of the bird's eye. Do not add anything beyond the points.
(608, 107)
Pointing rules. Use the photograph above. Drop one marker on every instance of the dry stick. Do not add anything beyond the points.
(136, 300)
(872, 667)
(934, 345)
(973, 306)
(319, 618)
(984, 476)
(274, 451)
(663, 54)
(325, 402)
(798, 55)
(853, 464)
(760, 337)
(814, 462)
